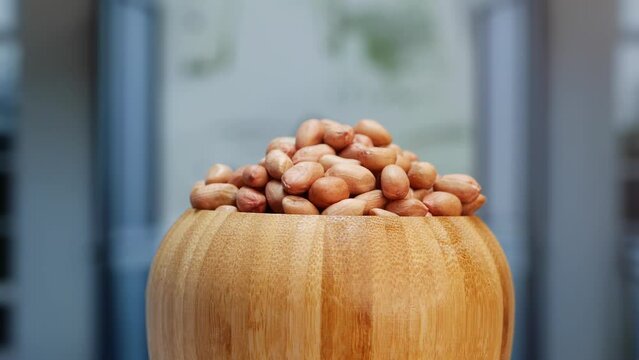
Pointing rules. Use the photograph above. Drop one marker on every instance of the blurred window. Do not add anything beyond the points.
(237, 74)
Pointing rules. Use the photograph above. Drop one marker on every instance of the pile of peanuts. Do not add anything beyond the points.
(335, 169)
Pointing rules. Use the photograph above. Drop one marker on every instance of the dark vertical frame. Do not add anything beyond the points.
(538, 168)
(489, 23)
(8, 242)
(127, 142)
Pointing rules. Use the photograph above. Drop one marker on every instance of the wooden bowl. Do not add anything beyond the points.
(269, 286)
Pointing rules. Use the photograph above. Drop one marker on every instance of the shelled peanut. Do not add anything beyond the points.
(331, 168)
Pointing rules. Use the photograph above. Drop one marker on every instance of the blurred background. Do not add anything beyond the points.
(110, 110)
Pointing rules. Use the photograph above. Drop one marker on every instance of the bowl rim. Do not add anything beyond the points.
(241, 213)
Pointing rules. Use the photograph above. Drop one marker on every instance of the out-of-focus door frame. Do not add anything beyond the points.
(548, 145)
(579, 297)
(128, 58)
(501, 46)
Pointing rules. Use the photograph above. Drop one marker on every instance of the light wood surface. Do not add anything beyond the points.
(268, 286)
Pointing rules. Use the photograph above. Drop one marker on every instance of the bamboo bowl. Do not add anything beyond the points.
(269, 286)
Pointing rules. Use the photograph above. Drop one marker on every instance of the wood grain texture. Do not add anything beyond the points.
(267, 286)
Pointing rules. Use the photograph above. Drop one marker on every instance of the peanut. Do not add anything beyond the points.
(409, 194)
(403, 161)
(441, 203)
(395, 184)
(338, 136)
(303, 174)
(362, 139)
(274, 192)
(276, 163)
(229, 208)
(353, 151)
(329, 160)
(236, 177)
(470, 208)
(327, 191)
(219, 173)
(358, 178)
(198, 185)
(255, 176)
(421, 193)
(407, 207)
(285, 144)
(373, 199)
(346, 207)
(464, 191)
(209, 197)
(298, 205)
(422, 175)
(310, 132)
(374, 130)
(464, 178)
(250, 200)
(376, 158)
(398, 150)
(312, 153)
(299, 178)
(381, 212)
(410, 155)
(328, 122)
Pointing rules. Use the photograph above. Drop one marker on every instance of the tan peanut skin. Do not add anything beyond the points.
(403, 161)
(255, 176)
(353, 151)
(362, 139)
(229, 208)
(297, 205)
(470, 208)
(410, 155)
(374, 130)
(328, 190)
(463, 178)
(441, 203)
(209, 197)
(346, 207)
(310, 132)
(421, 193)
(285, 144)
(394, 182)
(329, 160)
(218, 173)
(338, 136)
(276, 163)
(358, 178)
(250, 200)
(312, 153)
(376, 158)
(381, 212)
(374, 199)
(274, 192)
(407, 207)
(299, 178)
(464, 191)
(422, 175)
(236, 177)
